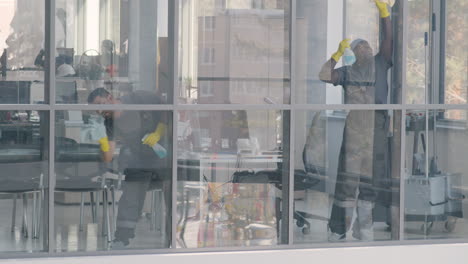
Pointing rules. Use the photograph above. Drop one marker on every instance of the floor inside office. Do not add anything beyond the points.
(91, 238)
(70, 239)
(318, 203)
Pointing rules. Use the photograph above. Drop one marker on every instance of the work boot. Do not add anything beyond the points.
(363, 228)
(334, 237)
(122, 237)
(119, 245)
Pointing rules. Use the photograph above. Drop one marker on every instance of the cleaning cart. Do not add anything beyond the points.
(430, 195)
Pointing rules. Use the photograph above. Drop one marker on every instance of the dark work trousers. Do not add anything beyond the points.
(137, 183)
(363, 165)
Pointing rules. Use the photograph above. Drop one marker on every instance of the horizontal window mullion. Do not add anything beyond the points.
(347, 107)
(19, 107)
(208, 107)
(161, 107)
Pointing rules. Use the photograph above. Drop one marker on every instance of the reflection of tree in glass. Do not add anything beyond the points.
(418, 23)
(27, 34)
(456, 56)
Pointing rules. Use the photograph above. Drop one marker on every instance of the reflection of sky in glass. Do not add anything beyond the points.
(6, 14)
(24, 30)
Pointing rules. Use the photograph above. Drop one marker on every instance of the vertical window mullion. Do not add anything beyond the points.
(292, 114)
(50, 97)
(173, 42)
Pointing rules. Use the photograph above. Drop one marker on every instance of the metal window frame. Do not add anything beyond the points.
(292, 114)
(174, 29)
(50, 82)
(23, 255)
(51, 108)
(442, 49)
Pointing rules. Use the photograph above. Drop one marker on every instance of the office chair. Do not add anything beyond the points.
(308, 180)
(69, 151)
(19, 164)
(23, 188)
(311, 179)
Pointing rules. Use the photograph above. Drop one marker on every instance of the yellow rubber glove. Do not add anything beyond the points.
(383, 9)
(341, 49)
(153, 138)
(104, 144)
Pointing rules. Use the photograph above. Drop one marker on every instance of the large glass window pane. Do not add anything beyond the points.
(21, 43)
(347, 176)
(325, 74)
(436, 181)
(417, 58)
(233, 52)
(118, 45)
(231, 169)
(23, 181)
(456, 54)
(114, 195)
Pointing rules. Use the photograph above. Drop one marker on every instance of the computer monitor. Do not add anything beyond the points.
(66, 92)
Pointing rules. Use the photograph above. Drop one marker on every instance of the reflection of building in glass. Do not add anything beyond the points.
(242, 56)
(235, 53)
(237, 48)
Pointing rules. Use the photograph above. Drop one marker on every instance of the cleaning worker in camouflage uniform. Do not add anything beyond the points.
(364, 139)
(144, 156)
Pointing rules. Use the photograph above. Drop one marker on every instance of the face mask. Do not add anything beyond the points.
(348, 57)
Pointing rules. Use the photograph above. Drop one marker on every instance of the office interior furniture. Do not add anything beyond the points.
(66, 91)
(310, 179)
(15, 92)
(430, 193)
(22, 176)
(302, 181)
(70, 153)
(193, 171)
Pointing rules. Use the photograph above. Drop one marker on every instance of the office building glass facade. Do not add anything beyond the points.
(341, 158)
(189, 125)
(231, 169)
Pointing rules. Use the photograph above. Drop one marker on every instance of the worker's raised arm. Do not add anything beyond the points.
(328, 73)
(386, 46)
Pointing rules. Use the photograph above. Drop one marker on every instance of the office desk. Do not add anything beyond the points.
(214, 211)
(16, 154)
(220, 167)
(21, 168)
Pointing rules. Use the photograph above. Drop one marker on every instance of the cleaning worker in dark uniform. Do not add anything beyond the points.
(364, 152)
(144, 155)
